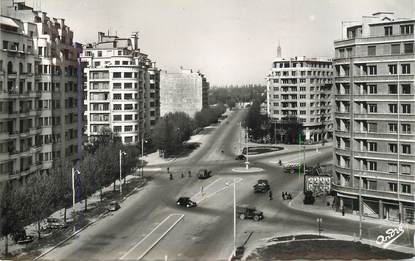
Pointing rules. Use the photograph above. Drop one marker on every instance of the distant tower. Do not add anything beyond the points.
(279, 50)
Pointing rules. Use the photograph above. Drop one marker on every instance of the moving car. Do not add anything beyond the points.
(249, 212)
(54, 223)
(240, 157)
(186, 202)
(113, 206)
(204, 174)
(262, 186)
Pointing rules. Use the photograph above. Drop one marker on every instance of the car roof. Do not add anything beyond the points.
(184, 198)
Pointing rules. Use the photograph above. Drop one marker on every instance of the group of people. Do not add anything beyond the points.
(286, 196)
(189, 174)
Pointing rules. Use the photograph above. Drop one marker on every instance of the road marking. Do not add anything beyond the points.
(180, 217)
(227, 185)
(204, 188)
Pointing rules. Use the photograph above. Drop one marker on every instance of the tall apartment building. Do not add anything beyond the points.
(120, 88)
(38, 91)
(302, 87)
(184, 91)
(375, 117)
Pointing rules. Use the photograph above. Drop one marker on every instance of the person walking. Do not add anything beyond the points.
(182, 175)
(283, 195)
(171, 176)
(270, 194)
(190, 174)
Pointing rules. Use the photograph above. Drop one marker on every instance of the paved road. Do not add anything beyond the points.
(149, 225)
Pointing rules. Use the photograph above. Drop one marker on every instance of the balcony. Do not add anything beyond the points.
(373, 39)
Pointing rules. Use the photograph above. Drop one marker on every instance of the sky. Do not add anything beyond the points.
(230, 41)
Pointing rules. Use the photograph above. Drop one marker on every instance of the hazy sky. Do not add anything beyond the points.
(231, 41)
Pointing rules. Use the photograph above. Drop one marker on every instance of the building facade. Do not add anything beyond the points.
(301, 88)
(120, 88)
(375, 117)
(38, 91)
(184, 91)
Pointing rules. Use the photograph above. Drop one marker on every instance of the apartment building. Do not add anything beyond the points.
(375, 117)
(120, 88)
(38, 91)
(301, 88)
(184, 91)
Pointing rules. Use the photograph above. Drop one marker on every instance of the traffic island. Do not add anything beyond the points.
(247, 170)
(313, 247)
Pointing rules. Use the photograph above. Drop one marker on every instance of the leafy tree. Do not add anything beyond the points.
(89, 182)
(61, 178)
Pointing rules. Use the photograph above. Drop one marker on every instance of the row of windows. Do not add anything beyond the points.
(408, 48)
(127, 128)
(393, 108)
(405, 29)
(127, 117)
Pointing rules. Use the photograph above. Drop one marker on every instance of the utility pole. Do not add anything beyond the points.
(234, 216)
(121, 154)
(142, 156)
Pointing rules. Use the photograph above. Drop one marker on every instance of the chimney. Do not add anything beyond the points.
(134, 40)
(100, 35)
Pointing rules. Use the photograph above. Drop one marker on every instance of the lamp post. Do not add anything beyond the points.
(74, 172)
(319, 221)
(142, 156)
(234, 216)
(121, 154)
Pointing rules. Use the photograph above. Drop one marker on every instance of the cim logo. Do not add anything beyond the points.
(391, 235)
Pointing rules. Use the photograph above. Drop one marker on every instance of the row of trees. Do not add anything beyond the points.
(32, 199)
(173, 129)
(262, 129)
(231, 95)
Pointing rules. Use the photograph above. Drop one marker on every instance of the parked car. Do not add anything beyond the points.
(249, 212)
(53, 223)
(262, 186)
(186, 202)
(204, 174)
(21, 237)
(113, 206)
(240, 157)
(308, 198)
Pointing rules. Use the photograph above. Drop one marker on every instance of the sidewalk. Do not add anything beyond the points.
(320, 208)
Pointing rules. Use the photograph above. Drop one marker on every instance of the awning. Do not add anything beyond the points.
(346, 196)
(8, 21)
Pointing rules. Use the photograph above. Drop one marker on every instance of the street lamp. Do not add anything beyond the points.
(142, 156)
(74, 172)
(319, 221)
(121, 154)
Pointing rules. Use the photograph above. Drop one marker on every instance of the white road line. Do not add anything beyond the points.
(206, 187)
(137, 244)
(214, 193)
(158, 240)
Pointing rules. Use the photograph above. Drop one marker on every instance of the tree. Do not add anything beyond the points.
(61, 178)
(12, 212)
(89, 184)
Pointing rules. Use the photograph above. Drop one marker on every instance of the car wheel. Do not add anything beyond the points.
(256, 218)
(242, 216)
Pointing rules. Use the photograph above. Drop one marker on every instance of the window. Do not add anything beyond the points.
(303, 96)
(117, 118)
(388, 30)
(128, 75)
(302, 112)
(406, 88)
(393, 148)
(276, 89)
(128, 106)
(128, 117)
(117, 128)
(372, 70)
(117, 96)
(373, 108)
(393, 127)
(276, 104)
(406, 149)
(302, 89)
(372, 146)
(276, 112)
(372, 127)
(373, 165)
(116, 85)
(408, 48)
(406, 128)
(395, 49)
(99, 53)
(117, 107)
(373, 89)
(393, 187)
(392, 168)
(406, 188)
(406, 169)
(406, 68)
(406, 108)
(407, 29)
(128, 128)
(128, 85)
(371, 50)
(117, 62)
(393, 108)
(128, 96)
(275, 80)
(116, 75)
(393, 69)
(393, 88)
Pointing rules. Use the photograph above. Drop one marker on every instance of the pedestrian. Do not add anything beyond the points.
(171, 176)
(279, 162)
(283, 195)
(168, 170)
(190, 174)
(270, 195)
(342, 211)
(182, 175)
(289, 196)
